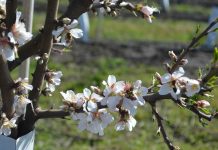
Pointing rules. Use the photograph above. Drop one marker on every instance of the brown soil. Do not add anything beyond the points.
(149, 53)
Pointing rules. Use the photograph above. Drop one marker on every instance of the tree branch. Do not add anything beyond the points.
(45, 49)
(11, 10)
(76, 8)
(53, 113)
(161, 128)
(194, 41)
(6, 84)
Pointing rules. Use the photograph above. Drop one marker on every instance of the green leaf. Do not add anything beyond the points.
(205, 110)
(215, 55)
(200, 73)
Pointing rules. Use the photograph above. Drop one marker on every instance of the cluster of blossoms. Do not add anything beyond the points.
(179, 86)
(9, 41)
(111, 5)
(90, 107)
(21, 89)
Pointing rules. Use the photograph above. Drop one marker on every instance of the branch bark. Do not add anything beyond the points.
(6, 84)
(53, 113)
(45, 49)
(161, 128)
(11, 8)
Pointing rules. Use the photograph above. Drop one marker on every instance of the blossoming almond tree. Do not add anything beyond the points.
(94, 108)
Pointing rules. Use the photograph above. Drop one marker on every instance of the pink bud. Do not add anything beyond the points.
(203, 103)
(172, 56)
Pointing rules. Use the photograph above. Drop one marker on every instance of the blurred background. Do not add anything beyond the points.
(130, 48)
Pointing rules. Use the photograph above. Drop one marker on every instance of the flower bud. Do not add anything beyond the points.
(158, 76)
(96, 90)
(167, 66)
(108, 9)
(183, 62)
(114, 13)
(172, 56)
(203, 104)
(66, 20)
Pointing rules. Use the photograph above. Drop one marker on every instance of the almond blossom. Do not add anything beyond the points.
(7, 124)
(72, 102)
(169, 83)
(20, 104)
(112, 86)
(52, 79)
(148, 11)
(139, 91)
(192, 87)
(128, 123)
(7, 47)
(64, 34)
(19, 31)
(112, 92)
(95, 122)
(22, 86)
(91, 99)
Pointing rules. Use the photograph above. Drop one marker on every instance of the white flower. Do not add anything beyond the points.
(7, 125)
(126, 123)
(7, 48)
(112, 92)
(53, 79)
(129, 105)
(95, 122)
(139, 91)
(166, 78)
(111, 102)
(112, 86)
(19, 31)
(148, 11)
(23, 86)
(62, 33)
(72, 101)
(91, 100)
(20, 104)
(169, 83)
(192, 88)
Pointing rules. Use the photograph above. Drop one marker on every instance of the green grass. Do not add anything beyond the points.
(184, 128)
(191, 9)
(139, 29)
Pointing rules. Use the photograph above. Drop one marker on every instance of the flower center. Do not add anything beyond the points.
(194, 87)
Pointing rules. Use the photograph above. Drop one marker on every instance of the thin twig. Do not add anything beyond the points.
(194, 41)
(161, 127)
